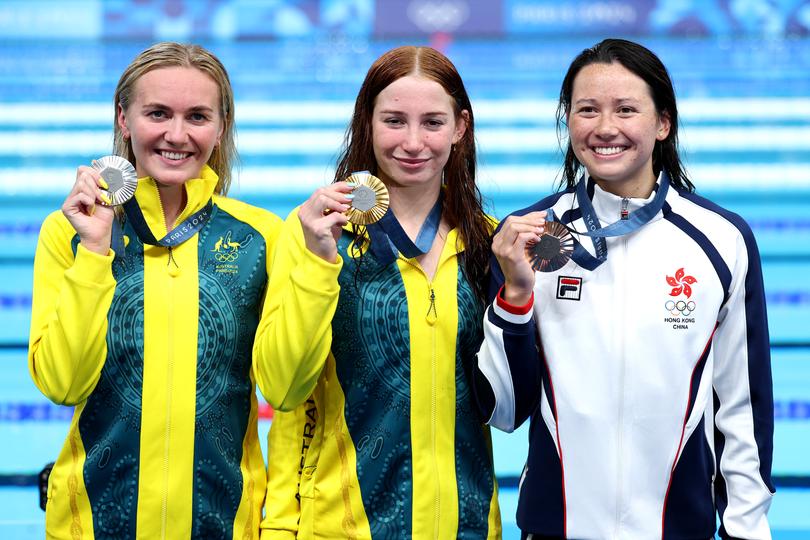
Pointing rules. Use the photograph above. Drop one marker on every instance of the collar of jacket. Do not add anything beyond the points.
(198, 191)
(608, 206)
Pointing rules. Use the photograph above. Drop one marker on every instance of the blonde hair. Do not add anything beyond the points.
(170, 54)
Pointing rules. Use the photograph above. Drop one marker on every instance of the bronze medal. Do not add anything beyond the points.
(553, 250)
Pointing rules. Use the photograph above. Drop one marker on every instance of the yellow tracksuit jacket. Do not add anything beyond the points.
(154, 351)
(389, 444)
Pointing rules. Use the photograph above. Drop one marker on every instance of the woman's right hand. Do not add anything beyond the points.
(92, 220)
(509, 247)
(322, 218)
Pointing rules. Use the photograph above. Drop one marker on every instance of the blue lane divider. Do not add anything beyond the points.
(25, 412)
(757, 225)
(779, 298)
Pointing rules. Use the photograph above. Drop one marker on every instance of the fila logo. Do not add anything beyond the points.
(569, 288)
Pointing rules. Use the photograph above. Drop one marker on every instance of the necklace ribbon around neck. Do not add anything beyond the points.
(634, 221)
(388, 237)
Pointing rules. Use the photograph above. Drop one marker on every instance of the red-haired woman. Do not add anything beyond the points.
(388, 324)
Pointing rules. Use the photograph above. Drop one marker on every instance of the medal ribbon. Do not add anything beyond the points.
(388, 237)
(176, 236)
(634, 221)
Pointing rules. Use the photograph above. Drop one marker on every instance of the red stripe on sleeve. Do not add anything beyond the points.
(514, 310)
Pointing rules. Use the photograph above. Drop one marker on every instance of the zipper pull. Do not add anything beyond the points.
(431, 315)
(174, 271)
(625, 214)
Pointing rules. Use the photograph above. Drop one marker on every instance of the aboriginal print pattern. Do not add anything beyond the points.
(110, 423)
(230, 306)
(374, 373)
(474, 470)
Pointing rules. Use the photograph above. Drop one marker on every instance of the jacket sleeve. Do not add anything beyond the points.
(285, 454)
(743, 397)
(507, 376)
(295, 331)
(71, 299)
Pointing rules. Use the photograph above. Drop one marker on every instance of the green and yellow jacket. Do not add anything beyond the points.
(389, 444)
(154, 349)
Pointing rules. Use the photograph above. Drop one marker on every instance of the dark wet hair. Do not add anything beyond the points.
(644, 63)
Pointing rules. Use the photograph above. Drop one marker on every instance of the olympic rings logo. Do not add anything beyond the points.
(680, 307)
(227, 256)
(445, 16)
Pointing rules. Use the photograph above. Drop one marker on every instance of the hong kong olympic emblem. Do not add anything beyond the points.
(680, 309)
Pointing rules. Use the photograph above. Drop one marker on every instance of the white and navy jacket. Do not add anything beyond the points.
(648, 379)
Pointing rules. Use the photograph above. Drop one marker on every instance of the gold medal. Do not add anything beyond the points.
(120, 177)
(370, 200)
(552, 250)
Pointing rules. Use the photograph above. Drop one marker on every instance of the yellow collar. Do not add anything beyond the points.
(198, 191)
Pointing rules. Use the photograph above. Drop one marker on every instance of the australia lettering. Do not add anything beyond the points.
(306, 440)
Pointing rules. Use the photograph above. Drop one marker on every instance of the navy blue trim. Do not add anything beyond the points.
(520, 349)
(542, 204)
(689, 509)
(483, 394)
(720, 266)
(720, 489)
(541, 505)
(697, 374)
(496, 278)
(629, 223)
(518, 329)
(546, 374)
(760, 380)
(570, 216)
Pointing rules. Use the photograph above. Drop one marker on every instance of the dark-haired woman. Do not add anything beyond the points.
(644, 360)
(389, 444)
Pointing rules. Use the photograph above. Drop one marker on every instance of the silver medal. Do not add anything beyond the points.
(120, 176)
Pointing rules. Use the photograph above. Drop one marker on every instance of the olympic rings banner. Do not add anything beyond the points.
(255, 19)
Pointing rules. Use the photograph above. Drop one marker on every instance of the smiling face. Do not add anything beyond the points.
(173, 122)
(413, 128)
(613, 126)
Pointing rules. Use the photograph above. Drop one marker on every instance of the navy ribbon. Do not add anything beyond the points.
(175, 237)
(388, 237)
(634, 221)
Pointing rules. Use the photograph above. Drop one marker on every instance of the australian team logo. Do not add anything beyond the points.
(680, 308)
(226, 252)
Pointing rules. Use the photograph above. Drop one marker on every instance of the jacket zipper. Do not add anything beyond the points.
(437, 521)
(172, 271)
(431, 317)
(621, 387)
(623, 215)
